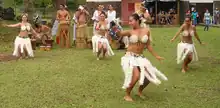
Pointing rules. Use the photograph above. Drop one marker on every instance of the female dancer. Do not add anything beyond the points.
(135, 65)
(100, 41)
(22, 41)
(186, 51)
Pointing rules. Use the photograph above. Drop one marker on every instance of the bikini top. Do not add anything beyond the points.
(136, 39)
(25, 28)
(188, 33)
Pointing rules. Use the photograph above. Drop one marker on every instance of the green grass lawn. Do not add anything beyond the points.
(73, 78)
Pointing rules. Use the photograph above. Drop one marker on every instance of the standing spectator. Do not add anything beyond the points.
(207, 20)
(194, 17)
(111, 15)
(216, 16)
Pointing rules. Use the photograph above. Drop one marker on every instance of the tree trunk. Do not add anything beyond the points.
(29, 9)
(59, 2)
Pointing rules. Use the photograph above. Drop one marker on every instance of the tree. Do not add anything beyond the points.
(59, 2)
(17, 3)
(40, 3)
(43, 5)
(29, 8)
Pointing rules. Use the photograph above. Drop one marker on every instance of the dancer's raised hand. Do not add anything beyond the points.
(4, 25)
(172, 40)
(201, 43)
(159, 58)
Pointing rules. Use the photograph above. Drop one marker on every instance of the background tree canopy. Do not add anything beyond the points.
(72, 4)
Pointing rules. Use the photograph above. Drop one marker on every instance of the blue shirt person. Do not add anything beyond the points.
(194, 17)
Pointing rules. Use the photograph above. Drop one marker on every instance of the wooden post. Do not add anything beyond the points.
(156, 11)
(178, 12)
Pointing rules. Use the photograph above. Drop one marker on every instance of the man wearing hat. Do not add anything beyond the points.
(216, 16)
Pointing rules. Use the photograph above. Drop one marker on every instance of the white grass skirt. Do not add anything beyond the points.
(181, 54)
(96, 39)
(94, 26)
(23, 43)
(147, 70)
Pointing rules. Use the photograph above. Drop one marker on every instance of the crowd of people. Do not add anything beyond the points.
(167, 17)
(207, 19)
(107, 28)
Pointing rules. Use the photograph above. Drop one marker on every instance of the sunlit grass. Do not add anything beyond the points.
(73, 78)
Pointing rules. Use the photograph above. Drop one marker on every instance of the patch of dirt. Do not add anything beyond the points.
(6, 57)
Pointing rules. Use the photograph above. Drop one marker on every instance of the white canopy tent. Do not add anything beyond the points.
(103, 0)
(201, 1)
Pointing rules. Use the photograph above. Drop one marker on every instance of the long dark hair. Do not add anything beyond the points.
(102, 13)
(62, 5)
(136, 17)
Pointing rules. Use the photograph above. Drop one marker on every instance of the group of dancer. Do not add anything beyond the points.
(134, 64)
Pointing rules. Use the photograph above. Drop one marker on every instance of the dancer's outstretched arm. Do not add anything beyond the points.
(34, 32)
(13, 25)
(196, 35)
(150, 49)
(178, 33)
(123, 33)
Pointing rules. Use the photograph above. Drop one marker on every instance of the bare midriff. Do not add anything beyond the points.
(137, 48)
(187, 39)
(101, 32)
(23, 34)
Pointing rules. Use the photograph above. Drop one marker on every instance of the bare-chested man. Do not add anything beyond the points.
(63, 17)
(44, 31)
(82, 15)
(82, 19)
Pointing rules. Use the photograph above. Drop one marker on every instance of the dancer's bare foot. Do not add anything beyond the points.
(104, 55)
(20, 58)
(141, 95)
(183, 70)
(187, 67)
(128, 98)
